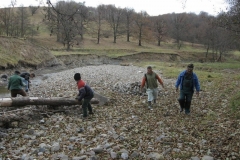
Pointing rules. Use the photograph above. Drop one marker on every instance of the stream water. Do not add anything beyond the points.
(5, 93)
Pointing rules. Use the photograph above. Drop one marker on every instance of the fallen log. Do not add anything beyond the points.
(52, 101)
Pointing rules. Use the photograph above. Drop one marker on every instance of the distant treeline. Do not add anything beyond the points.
(71, 21)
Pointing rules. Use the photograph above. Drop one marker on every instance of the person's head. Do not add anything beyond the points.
(32, 75)
(190, 68)
(17, 72)
(77, 76)
(149, 69)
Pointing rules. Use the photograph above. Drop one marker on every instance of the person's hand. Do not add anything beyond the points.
(197, 93)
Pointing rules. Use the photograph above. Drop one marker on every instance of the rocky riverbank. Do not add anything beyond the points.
(122, 129)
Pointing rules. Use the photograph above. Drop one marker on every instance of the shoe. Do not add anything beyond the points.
(86, 118)
(181, 110)
(26, 90)
(91, 113)
(150, 108)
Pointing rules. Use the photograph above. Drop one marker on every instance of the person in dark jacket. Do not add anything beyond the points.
(26, 79)
(15, 85)
(85, 94)
(187, 80)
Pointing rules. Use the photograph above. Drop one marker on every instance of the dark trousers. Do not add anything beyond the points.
(15, 92)
(184, 100)
(86, 106)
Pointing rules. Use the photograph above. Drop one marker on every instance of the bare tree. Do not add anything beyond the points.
(5, 14)
(179, 28)
(23, 17)
(114, 17)
(33, 9)
(64, 20)
(141, 26)
(160, 28)
(128, 13)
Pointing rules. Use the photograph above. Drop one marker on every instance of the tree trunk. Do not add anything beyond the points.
(207, 52)
(159, 42)
(52, 101)
(220, 57)
(128, 35)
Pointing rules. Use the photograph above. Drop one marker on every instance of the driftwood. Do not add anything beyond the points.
(52, 101)
(23, 115)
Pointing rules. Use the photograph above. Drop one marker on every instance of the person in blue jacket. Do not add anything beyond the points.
(187, 80)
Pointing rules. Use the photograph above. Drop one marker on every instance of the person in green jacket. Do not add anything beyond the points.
(15, 85)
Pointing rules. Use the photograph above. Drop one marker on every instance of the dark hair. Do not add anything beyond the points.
(149, 67)
(32, 74)
(17, 72)
(190, 66)
(77, 76)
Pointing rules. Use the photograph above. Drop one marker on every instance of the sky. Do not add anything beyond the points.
(152, 7)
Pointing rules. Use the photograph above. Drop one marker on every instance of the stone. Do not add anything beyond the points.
(72, 139)
(63, 157)
(70, 147)
(40, 153)
(80, 130)
(42, 145)
(195, 158)
(113, 155)
(42, 121)
(31, 132)
(134, 154)
(55, 147)
(176, 150)
(80, 158)
(39, 134)
(93, 158)
(98, 150)
(42, 150)
(207, 158)
(124, 155)
(116, 148)
(160, 138)
(167, 151)
(156, 156)
(107, 145)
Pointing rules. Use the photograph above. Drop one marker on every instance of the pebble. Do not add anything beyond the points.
(98, 150)
(113, 155)
(195, 158)
(55, 147)
(207, 158)
(124, 155)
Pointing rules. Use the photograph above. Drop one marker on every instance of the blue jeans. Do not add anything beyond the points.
(26, 83)
(185, 100)
(186, 96)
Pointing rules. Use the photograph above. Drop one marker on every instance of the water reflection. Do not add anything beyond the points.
(4, 93)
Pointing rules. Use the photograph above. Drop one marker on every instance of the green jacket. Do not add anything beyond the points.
(15, 82)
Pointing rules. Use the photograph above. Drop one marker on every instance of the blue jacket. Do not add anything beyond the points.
(195, 81)
(85, 92)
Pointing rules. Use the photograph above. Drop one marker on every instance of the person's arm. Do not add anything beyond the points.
(82, 93)
(159, 80)
(9, 83)
(178, 82)
(21, 82)
(197, 84)
(143, 82)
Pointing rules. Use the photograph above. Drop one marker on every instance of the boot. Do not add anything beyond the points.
(187, 107)
(90, 111)
(182, 104)
(149, 105)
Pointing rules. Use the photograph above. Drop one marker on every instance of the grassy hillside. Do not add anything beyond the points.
(14, 51)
